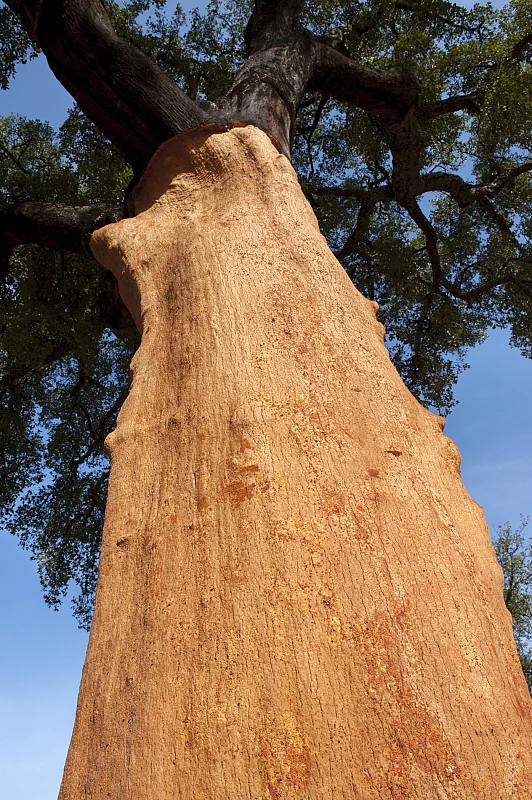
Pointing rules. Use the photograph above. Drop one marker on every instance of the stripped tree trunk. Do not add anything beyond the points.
(297, 597)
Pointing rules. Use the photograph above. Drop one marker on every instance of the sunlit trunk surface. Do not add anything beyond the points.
(297, 599)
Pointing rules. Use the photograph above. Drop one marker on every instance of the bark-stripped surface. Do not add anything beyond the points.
(297, 597)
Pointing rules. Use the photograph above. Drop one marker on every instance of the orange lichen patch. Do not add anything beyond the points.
(298, 759)
(250, 468)
(374, 473)
(239, 491)
(332, 502)
(203, 503)
(286, 761)
(245, 444)
(415, 733)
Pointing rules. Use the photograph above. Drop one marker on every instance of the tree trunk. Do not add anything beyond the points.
(297, 598)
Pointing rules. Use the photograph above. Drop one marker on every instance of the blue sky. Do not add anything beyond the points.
(43, 651)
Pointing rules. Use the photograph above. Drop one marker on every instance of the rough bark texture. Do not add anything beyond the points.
(297, 597)
(119, 88)
(53, 225)
(138, 107)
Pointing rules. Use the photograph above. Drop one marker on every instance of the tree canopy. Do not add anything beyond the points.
(514, 555)
(409, 127)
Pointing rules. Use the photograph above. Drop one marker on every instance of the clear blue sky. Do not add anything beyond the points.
(42, 653)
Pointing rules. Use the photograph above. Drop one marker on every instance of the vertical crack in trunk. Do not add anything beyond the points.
(297, 597)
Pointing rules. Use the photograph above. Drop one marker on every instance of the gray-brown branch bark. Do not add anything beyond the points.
(449, 105)
(119, 88)
(388, 93)
(55, 226)
(60, 227)
(138, 107)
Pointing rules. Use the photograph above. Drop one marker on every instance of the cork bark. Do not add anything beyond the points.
(298, 600)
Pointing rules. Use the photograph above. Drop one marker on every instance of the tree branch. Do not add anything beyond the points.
(119, 88)
(466, 193)
(462, 102)
(431, 239)
(8, 380)
(54, 226)
(520, 47)
(367, 200)
(388, 93)
(438, 279)
(65, 228)
(360, 231)
(506, 178)
(272, 22)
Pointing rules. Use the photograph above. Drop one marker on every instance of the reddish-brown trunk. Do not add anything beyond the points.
(297, 597)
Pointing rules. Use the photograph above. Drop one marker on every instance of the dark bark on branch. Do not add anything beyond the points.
(339, 191)
(388, 93)
(65, 228)
(431, 239)
(463, 102)
(272, 22)
(119, 88)
(138, 107)
(361, 229)
(113, 313)
(438, 278)
(460, 190)
(367, 200)
(520, 47)
(506, 178)
(268, 88)
(465, 193)
(54, 226)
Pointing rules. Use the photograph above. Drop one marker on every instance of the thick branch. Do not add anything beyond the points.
(138, 107)
(286, 61)
(65, 228)
(361, 229)
(460, 190)
(272, 22)
(431, 240)
(462, 102)
(388, 93)
(119, 88)
(520, 47)
(506, 178)
(54, 226)
(465, 194)
(113, 313)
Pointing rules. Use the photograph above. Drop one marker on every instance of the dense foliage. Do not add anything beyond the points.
(514, 554)
(444, 266)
